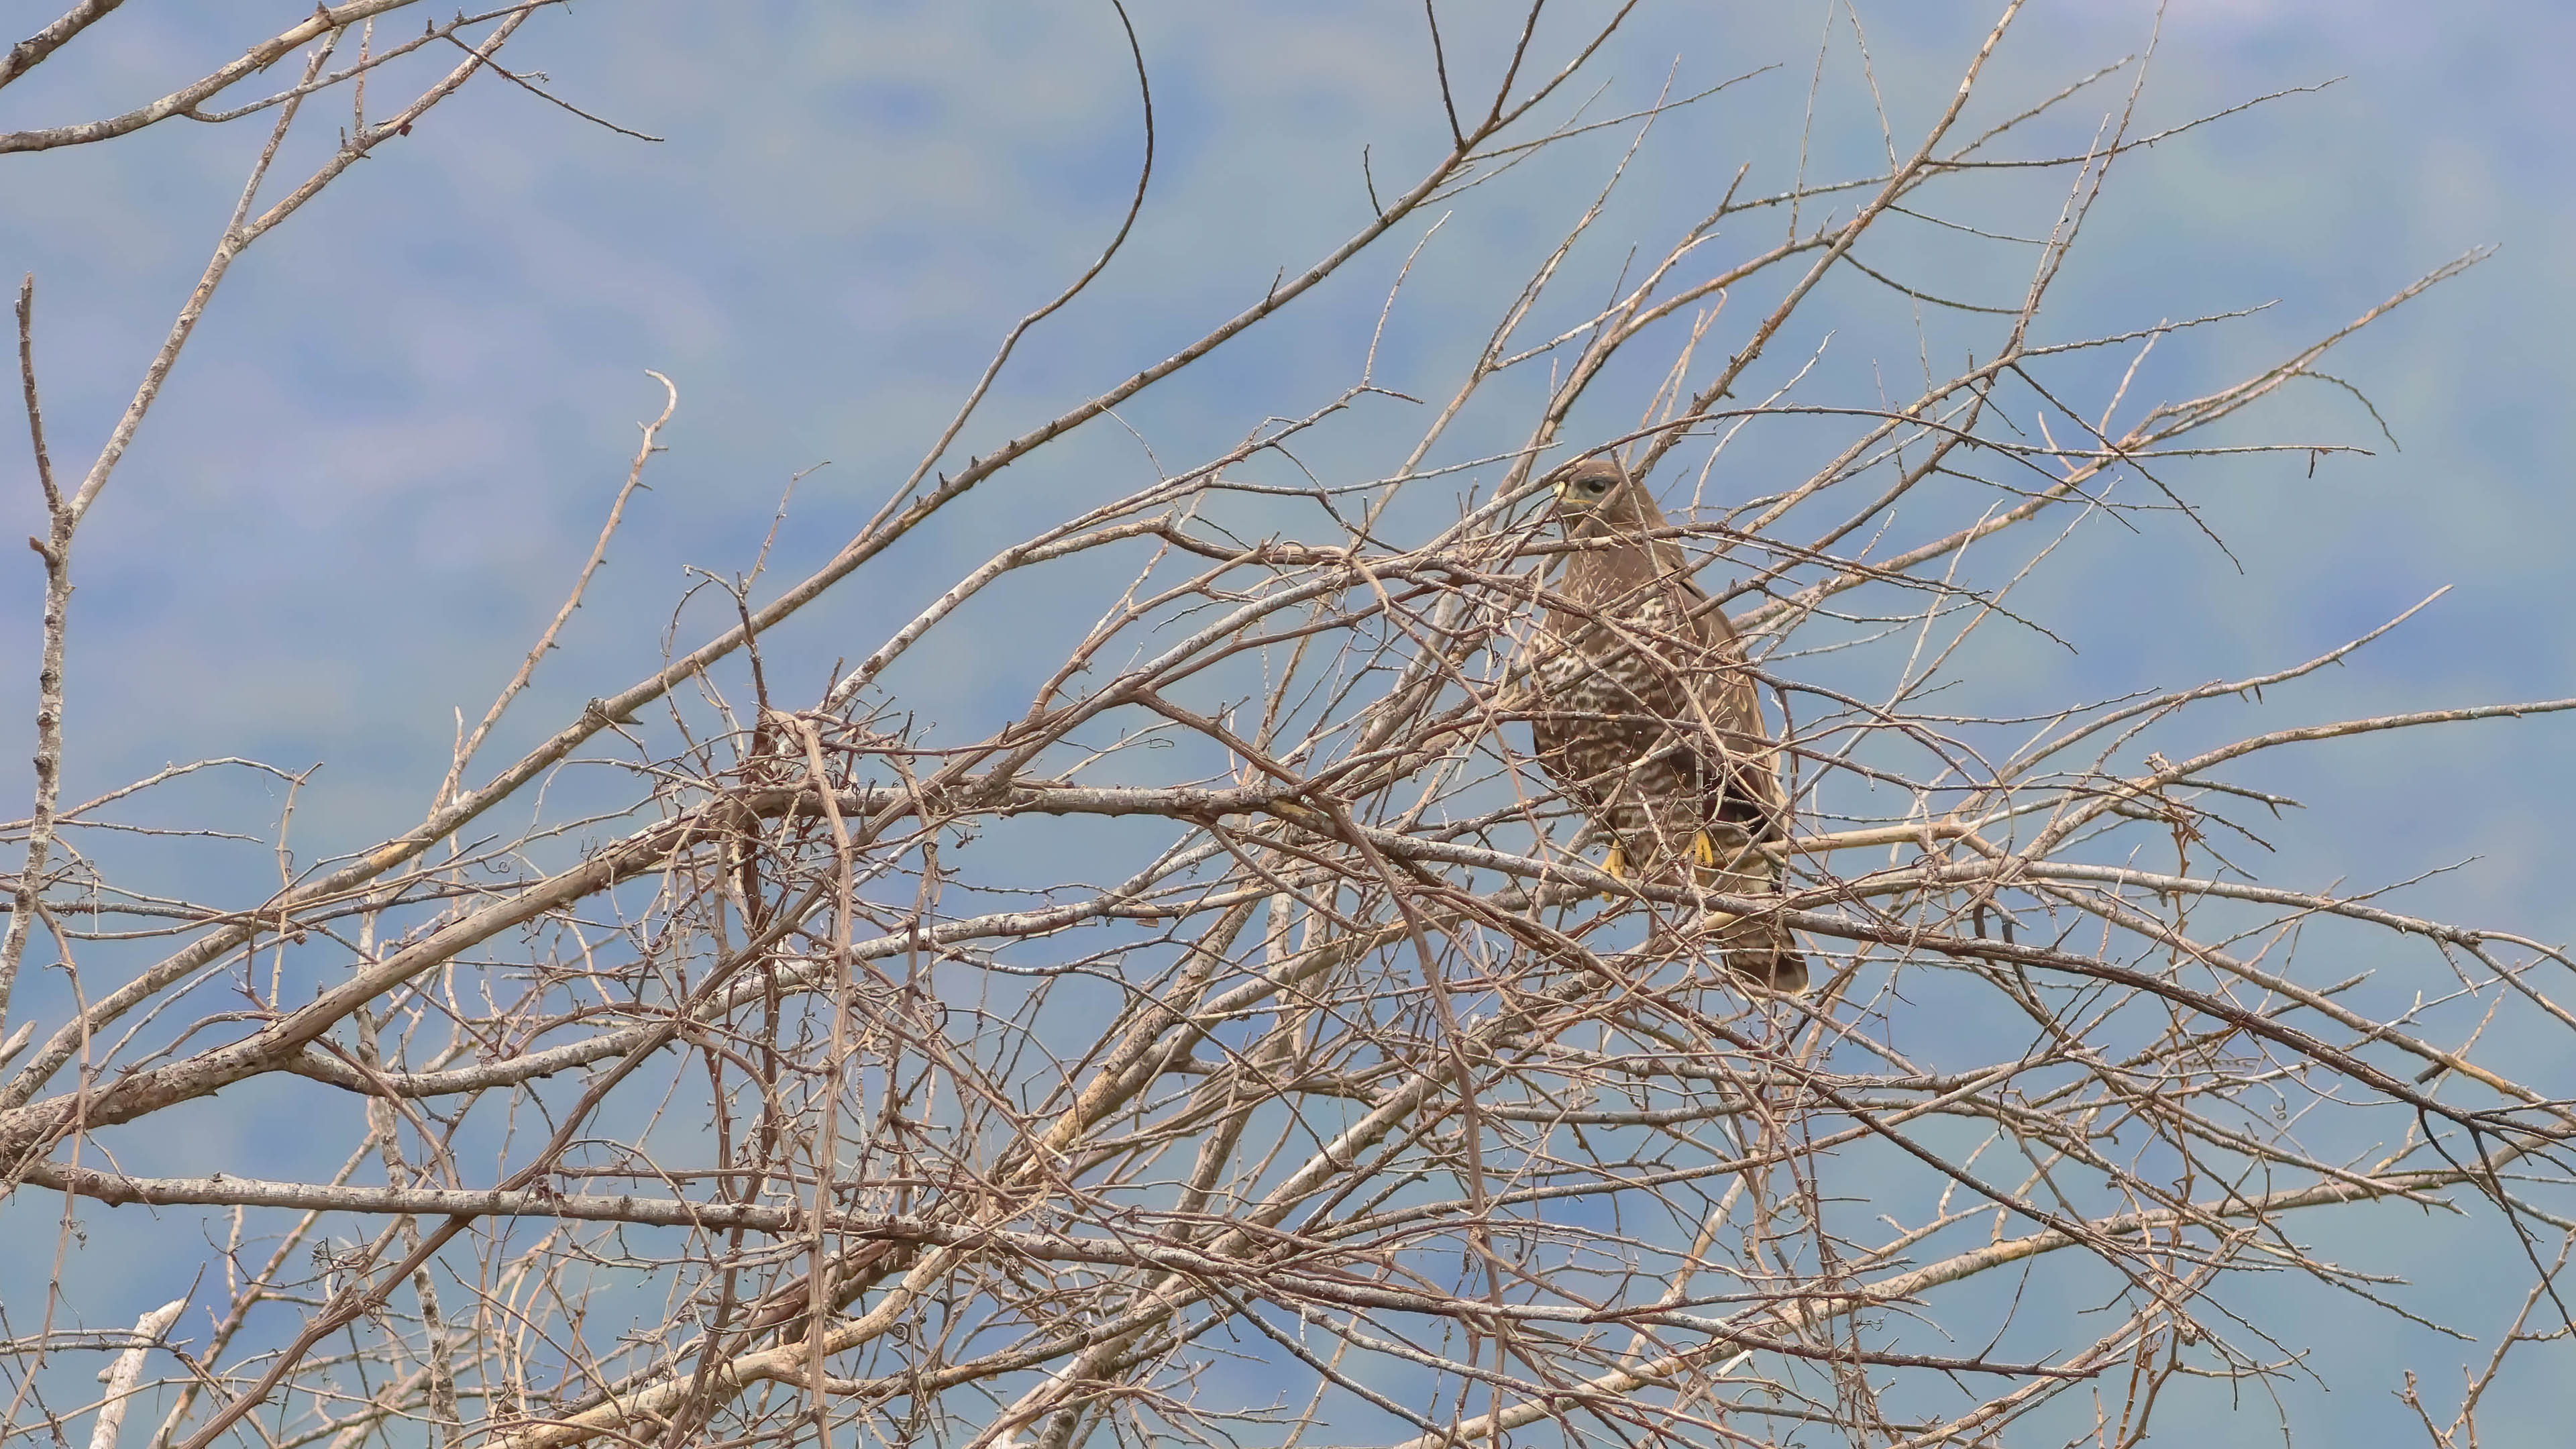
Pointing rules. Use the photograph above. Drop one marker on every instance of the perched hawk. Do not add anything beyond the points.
(1646, 719)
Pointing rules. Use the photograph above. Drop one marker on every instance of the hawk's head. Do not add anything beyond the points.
(1595, 496)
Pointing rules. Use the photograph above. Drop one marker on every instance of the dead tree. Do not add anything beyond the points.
(1356, 1103)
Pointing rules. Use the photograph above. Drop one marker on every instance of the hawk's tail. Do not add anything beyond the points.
(1758, 948)
(1765, 955)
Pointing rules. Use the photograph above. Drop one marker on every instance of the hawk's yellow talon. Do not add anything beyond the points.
(1703, 849)
(1615, 865)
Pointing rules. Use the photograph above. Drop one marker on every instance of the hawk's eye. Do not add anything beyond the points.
(1596, 486)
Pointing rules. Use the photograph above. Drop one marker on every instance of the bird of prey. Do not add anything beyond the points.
(1645, 715)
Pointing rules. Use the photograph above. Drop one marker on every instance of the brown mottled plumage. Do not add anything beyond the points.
(1646, 716)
